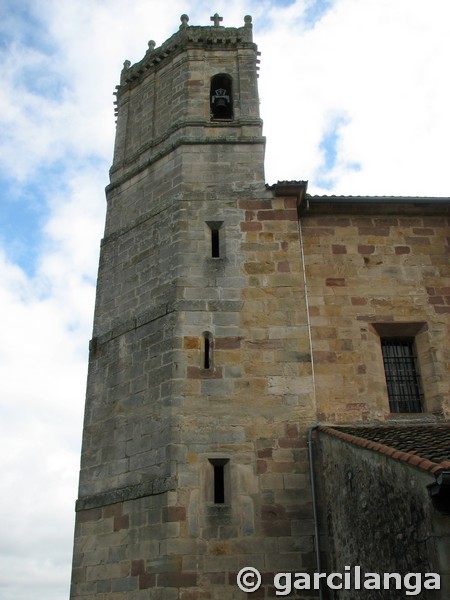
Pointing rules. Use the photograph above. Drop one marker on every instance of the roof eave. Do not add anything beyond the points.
(374, 204)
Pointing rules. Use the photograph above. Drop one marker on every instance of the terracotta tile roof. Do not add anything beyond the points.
(400, 199)
(425, 446)
(375, 204)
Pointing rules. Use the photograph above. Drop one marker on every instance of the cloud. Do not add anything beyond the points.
(333, 163)
(43, 351)
(380, 63)
(42, 373)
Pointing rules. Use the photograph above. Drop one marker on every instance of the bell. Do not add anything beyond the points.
(220, 102)
(221, 107)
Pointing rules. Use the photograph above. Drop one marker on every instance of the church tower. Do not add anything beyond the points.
(194, 457)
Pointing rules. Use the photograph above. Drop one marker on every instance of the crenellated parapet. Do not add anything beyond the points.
(199, 87)
(187, 36)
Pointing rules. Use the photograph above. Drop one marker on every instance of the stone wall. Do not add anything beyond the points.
(378, 514)
(371, 269)
(253, 405)
(203, 365)
(157, 418)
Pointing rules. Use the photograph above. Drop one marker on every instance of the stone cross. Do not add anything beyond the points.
(217, 20)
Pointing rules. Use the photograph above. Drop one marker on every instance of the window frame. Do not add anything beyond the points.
(402, 374)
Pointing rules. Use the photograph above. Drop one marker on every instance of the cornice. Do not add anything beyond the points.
(210, 37)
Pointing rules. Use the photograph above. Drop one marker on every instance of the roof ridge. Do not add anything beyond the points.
(409, 457)
(387, 197)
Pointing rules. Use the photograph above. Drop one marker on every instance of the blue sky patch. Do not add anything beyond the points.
(21, 23)
(23, 212)
(22, 32)
(316, 9)
(41, 81)
(329, 147)
(283, 2)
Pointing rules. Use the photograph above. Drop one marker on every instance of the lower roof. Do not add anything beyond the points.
(426, 446)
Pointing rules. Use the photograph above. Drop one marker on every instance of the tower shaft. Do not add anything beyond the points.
(194, 459)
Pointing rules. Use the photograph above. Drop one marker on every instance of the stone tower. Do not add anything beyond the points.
(199, 389)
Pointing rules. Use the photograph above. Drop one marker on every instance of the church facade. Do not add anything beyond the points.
(231, 318)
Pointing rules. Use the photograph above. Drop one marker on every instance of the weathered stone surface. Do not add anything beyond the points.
(206, 371)
(369, 497)
(157, 414)
(384, 270)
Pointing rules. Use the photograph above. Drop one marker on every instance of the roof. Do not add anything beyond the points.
(397, 199)
(375, 205)
(306, 203)
(424, 446)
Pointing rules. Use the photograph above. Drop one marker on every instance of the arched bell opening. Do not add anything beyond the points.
(221, 99)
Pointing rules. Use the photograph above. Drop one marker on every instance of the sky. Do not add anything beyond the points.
(355, 98)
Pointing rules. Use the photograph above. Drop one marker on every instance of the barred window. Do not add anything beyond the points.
(402, 375)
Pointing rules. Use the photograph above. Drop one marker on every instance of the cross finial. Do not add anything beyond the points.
(217, 20)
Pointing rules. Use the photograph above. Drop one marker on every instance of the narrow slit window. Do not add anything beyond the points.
(219, 484)
(215, 246)
(219, 493)
(402, 375)
(206, 357)
(207, 350)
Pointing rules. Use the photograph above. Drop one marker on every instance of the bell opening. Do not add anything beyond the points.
(221, 102)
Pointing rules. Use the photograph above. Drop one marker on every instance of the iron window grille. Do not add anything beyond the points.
(402, 375)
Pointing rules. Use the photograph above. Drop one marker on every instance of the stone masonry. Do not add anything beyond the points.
(380, 517)
(158, 418)
(376, 267)
(230, 317)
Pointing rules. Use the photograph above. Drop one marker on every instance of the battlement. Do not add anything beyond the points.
(188, 36)
(198, 88)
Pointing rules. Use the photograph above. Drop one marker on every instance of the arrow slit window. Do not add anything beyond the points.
(217, 242)
(221, 98)
(207, 350)
(219, 483)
